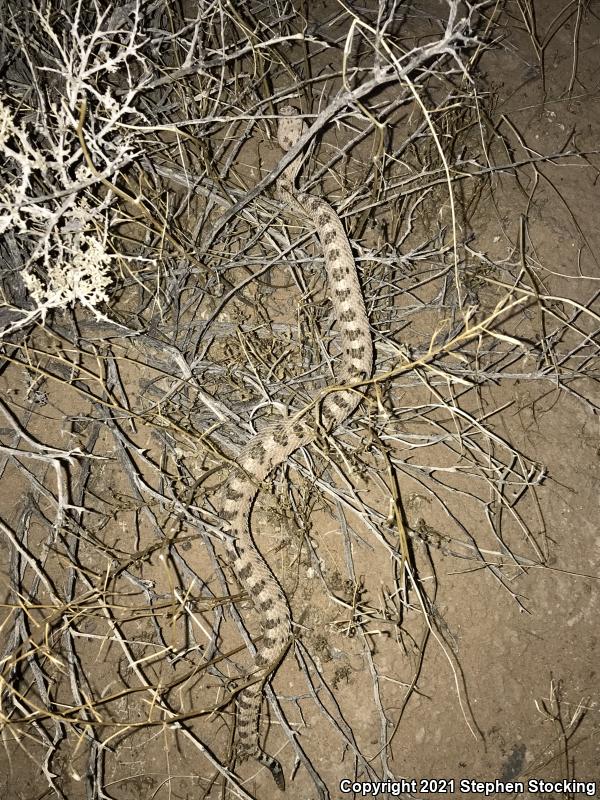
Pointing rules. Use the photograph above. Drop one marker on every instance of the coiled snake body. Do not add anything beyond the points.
(275, 444)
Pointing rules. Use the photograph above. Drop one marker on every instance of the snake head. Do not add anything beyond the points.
(291, 127)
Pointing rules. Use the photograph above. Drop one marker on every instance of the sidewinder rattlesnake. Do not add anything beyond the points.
(274, 445)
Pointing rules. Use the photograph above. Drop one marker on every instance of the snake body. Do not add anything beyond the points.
(274, 445)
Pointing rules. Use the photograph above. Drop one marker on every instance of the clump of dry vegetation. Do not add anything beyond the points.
(157, 310)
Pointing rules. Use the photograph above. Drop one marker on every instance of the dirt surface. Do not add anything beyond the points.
(441, 555)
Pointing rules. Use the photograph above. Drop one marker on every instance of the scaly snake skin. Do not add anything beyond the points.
(275, 444)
